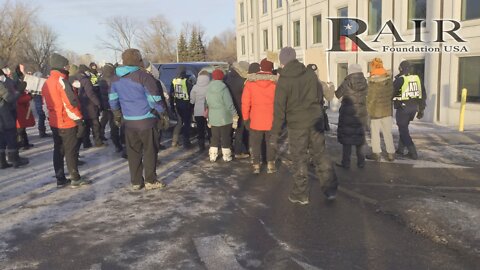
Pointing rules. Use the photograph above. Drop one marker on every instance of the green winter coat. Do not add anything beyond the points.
(220, 105)
(379, 98)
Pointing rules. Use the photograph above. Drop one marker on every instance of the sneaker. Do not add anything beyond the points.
(62, 183)
(80, 183)
(154, 185)
(256, 169)
(301, 199)
(373, 156)
(137, 187)
(391, 157)
(242, 156)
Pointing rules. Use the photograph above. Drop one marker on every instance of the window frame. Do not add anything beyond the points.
(265, 40)
(461, 86)
(297, 34)
(369, 17)
(317, 29)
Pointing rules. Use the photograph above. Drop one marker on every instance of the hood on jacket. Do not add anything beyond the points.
(241, 68)
(380, 78)
(262, 77)
(125, 70)
(203, 80)
(293, 69)
(217, 86)
(357, 81)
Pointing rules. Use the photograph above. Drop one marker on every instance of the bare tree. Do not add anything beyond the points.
(37, 45)
(223, 47)
(157, 40)
(15, 20)
(122, 33)
(72, 56)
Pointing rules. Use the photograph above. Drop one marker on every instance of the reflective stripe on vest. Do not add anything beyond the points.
(411, 88)
(180, 89)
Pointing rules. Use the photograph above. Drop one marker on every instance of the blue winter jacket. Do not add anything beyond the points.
(136, 94)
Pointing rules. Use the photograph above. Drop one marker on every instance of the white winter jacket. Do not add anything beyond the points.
(198, 94)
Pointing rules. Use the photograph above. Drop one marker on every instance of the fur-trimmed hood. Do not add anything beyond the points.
(262, 77)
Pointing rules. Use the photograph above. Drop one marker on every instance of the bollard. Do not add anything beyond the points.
(462, 110)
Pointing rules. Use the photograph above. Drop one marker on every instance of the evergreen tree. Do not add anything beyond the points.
(182, 49)
(193, 46)
(202, 53)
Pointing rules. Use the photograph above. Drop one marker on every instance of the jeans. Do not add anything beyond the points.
(202, 129)
(107, 117)
(301, 141)
(184, 122)
(256, 139)
(65, 145)
(384, 126)
(8, 140)
(37, 99)
(142, 149)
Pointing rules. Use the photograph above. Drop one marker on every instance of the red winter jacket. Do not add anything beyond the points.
(258, 99)
(23, 104)
(62, 103)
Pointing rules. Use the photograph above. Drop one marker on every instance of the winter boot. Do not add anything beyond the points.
(373, 156)
(271, 168)
(227, 154)
(256, 168)
(391, 157)
(16, 160)
(3, 161)
(400, 149)
(412, 152)
(213, 153)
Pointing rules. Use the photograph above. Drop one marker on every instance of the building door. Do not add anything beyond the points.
(418, 68)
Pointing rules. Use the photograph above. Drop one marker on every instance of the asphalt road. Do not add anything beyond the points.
(213, 216)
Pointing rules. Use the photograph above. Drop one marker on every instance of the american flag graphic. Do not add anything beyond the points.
(348, 27)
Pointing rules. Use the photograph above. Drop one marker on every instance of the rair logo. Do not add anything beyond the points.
(346, 31)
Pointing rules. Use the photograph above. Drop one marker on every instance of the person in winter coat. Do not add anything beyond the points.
(197, 98)
(299, 105)
(352, 121)
(235, 80)
(25, 119)
(409, 100)
(379, 107)
(257, 109)
(180, 102)
(90, 105)
(38, 101)
(104, 83)
(222, 116)
(66, 122)
(8, 142)
(136, 102)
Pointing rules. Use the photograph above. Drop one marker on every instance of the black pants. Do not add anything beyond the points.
(240, 144)
(94, 126)
(41, 114)
(8, 139)
(347, 152)
(65, 145)
(184, 115)
(256, 140)
(107, 118)
(142, 152)
(22, 137)
(300, 142)
(221, 136)
(202, 129)
(404, 116)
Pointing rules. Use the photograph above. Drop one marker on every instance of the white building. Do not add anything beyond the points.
(265, 26)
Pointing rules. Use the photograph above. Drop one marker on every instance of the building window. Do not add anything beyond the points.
(253, 43)
(265, 40)
(243, 45)
(265, 7)
(342, 12)
(468, 78)
(317, 29)
(296, 33)
(342, 72)
(417, 10)
(252, 8)
(242, 12)
(279, 3)
(374, 16)
(279, 37)
(470, 9)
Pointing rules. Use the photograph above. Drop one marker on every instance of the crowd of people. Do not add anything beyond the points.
(240, 113)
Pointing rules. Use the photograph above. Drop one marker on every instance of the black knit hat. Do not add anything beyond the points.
(57, 61)
(132, 57)
(254, 68)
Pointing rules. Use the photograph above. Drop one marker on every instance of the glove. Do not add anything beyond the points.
(420, 115)
(235, 122)
(164, 121)
(80, 129)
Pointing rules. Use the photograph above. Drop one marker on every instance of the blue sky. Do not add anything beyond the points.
(79, 22)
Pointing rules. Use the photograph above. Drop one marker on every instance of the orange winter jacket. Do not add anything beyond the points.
(257, 100)
(62, 103)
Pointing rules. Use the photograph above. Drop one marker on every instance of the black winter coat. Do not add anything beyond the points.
(353, 115)
(8, 100)
(90, 103)
(235, 84)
